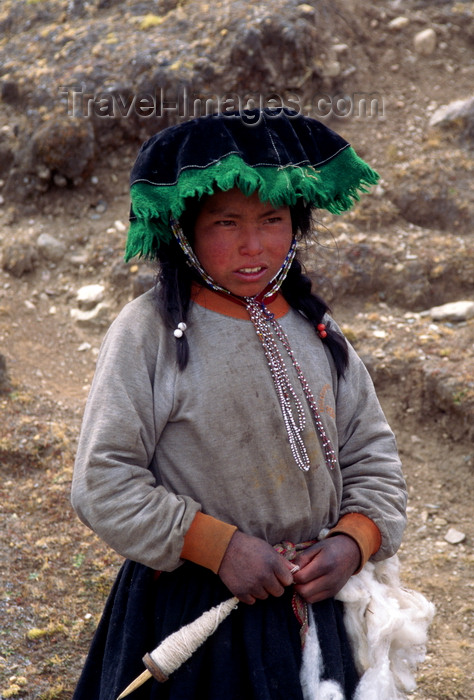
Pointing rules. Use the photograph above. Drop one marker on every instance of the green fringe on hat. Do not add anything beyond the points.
(334, 186)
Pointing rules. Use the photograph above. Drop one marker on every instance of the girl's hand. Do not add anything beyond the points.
(252, 569)
(326, 567)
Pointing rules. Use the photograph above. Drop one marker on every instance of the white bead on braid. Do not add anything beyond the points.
(179, 331)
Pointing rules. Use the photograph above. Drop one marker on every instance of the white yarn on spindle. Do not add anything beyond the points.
(180, 645)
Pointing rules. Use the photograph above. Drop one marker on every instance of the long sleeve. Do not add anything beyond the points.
(373, 483)
(114, 490)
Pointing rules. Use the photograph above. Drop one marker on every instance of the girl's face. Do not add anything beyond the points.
(242, 242)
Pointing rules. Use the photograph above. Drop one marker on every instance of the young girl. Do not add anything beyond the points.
(232, 442)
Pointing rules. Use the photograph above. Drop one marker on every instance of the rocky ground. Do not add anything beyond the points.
(407, 248)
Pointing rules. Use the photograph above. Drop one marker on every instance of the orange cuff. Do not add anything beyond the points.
(206, 541)
(363, 530)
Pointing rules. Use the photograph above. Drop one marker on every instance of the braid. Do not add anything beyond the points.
(173, 295)
(297, 291)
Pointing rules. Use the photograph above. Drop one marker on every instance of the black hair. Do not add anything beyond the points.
(175, 278)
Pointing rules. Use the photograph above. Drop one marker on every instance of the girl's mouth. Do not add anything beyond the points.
(250, 270)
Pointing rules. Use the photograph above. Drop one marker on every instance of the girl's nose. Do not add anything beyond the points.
(251, 241)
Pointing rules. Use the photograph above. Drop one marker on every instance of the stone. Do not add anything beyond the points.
(459, 113)
(425, 199)
(398, 23)
(99, 316)
(454, 536)
(89, 296)
(78, 259)
(50, 247)
(440, 522)
(43, 172)
(65, 146)
(332, 69)
(340, 48)
(19, 259)
(456, 311)
(101, 206)
(425, 42)
(59, 180)
(305, 9)
(120, 226)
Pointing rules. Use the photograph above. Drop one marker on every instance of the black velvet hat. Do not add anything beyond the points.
(280, 154)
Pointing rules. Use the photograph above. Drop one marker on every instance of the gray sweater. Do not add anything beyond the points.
(157, 445)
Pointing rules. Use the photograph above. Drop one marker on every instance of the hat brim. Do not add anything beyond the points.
(305, 160)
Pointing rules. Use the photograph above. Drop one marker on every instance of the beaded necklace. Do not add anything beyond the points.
(269, 331)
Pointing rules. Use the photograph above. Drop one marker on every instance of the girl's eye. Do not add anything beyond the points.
(274, 220)
(225, 222)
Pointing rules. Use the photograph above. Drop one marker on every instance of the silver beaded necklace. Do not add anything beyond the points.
(269, 331)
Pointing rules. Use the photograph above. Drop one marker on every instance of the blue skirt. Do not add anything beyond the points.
(255, 653)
